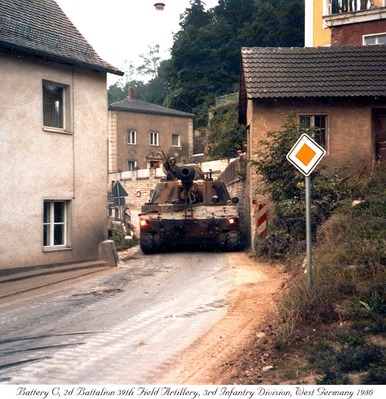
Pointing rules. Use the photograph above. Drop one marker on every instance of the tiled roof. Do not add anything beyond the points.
(40, 27)
(314, 72)
(139, 106)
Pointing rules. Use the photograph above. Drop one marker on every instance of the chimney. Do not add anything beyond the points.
(130, 93)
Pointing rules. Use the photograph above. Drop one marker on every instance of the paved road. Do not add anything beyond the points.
(123, 327)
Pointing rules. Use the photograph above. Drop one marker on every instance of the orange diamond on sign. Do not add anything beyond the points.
(305, 154)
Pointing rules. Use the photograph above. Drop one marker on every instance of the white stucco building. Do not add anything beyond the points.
(54, 129)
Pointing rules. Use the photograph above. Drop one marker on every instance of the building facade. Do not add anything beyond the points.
(339, 91)
(139, 132)
(345, 22)
(53, 162)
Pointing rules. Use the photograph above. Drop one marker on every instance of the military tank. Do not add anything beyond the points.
(193, 209)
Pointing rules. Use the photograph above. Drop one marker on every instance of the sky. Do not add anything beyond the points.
(121, 30)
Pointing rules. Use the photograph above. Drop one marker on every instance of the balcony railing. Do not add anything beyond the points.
(357, 11)
(349, 6)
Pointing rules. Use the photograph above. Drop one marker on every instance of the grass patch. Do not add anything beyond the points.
(339, 325)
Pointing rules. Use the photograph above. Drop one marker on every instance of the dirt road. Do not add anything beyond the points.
(172, 318)
(213, 358)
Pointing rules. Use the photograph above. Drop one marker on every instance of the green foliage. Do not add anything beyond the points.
(152, 92)
(334, 363)
(205, 60)
(275, 23)
(150, 62)
(120, 243)
(225, 135)
(341, 321)
(376, 376)
(205, 56)
(284, 184)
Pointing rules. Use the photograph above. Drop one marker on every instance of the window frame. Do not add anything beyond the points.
(154, 139)
(49, 244)
(131, 137)
(323, 130)
(178, 136)
(376, 36)
(134, 165)
(65, 113)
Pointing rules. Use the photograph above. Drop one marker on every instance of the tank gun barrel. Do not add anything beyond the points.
(186, 173)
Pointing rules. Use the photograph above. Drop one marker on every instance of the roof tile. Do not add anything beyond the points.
(41, 27)
(314, 72)
(140, 106)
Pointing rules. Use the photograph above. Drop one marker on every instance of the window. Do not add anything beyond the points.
(56, 108)
(55, 223)
(131, 165)
(175, 140)
(374, 39)
(155, 164)
(318, 125)
(131, 137)
(154, 138)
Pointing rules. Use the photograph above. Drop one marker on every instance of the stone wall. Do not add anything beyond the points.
(140, 183)
(234, 176)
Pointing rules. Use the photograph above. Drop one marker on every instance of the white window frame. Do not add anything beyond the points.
(61, 119)
(50, 225)
(376, 36)
(311, 118)
(178, 138)
(132, 163)
(154, 138)
(132, 137)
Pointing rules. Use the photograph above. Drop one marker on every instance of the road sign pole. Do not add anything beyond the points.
(305, 155)
(308, 231)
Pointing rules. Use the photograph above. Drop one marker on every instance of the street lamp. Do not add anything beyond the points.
(159, 6)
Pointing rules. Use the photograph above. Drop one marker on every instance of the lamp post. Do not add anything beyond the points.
(159, 6)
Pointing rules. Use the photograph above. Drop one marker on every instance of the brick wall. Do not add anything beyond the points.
(352, 34)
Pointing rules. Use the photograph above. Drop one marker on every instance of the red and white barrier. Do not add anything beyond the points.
(261, 220)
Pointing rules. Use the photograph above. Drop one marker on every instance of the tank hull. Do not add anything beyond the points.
(189, 212)
(180, 228)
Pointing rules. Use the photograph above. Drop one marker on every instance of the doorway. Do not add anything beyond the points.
(379, 134)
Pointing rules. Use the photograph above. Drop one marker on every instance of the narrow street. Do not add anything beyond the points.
(168, 318)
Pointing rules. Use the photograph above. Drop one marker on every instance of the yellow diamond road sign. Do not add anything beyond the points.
(305, 154)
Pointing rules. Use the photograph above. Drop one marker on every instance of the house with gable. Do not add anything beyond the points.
(338, 90)
(140, 131)
(54, 129)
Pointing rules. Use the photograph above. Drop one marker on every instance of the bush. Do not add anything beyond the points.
(285, 186)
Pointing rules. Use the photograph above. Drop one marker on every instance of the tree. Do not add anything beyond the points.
(225, 134)
(275, 23)
(205, 57)
(206, 53)
(151, 62)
